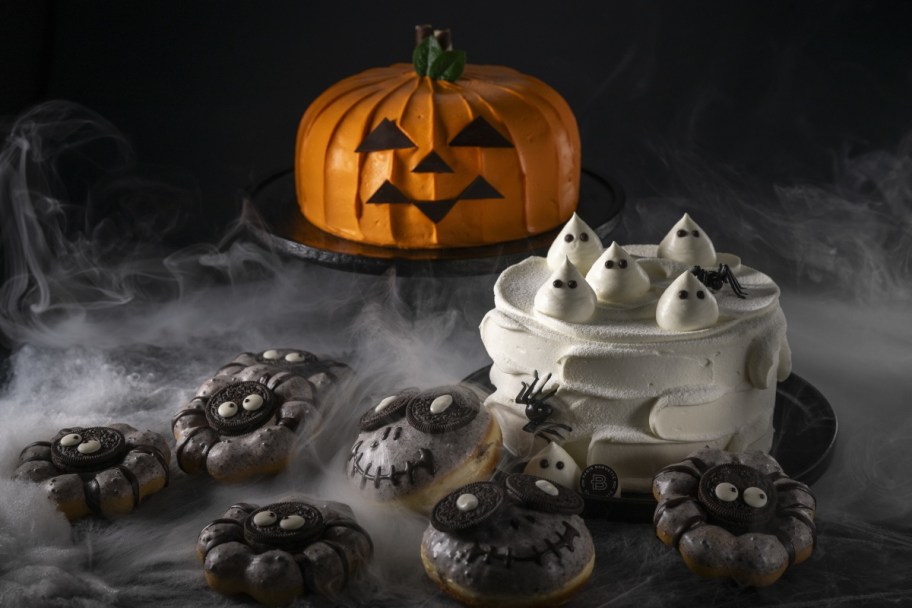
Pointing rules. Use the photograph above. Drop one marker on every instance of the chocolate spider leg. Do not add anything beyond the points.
(527, 389)
(729, 277)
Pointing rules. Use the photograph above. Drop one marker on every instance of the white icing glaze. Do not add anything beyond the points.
(547, 487)
(555, 464)
(89, 447)
(265, 518)
(70, 440)
(755, 497)
(467, 502)
(582, 248)
(271, 355)
(566, 295)
(726, 492)
(294, 357)
(292, 522)
(686, 305)
(228, 409)
(441, 403)
(687, 243)
(617, 277)
(384, 403)
(252, 403)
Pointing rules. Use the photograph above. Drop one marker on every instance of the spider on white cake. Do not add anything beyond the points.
(538, 411)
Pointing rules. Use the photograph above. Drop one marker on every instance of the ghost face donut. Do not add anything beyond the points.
(416, 446)
(518, 544)
(244, 424)
(103, 470)
(735, 515)
(278, 552)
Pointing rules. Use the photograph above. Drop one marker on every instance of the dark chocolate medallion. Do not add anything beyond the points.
(599, 481)
(542, 495)
(442, 410)
(388, 410)
(284, 524)
(241, 408)
(467, 507)
(90, 449)
(738, 496)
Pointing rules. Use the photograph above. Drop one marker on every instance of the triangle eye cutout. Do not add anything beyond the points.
(480, 133)
(385, 136)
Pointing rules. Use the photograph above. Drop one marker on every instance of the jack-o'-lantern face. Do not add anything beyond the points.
(388, 157)
(446, 167)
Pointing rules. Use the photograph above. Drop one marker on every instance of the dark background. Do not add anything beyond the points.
(675, 101)
(210, 93)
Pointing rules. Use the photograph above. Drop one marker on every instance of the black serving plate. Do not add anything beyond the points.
(803, 441)
(286, 230)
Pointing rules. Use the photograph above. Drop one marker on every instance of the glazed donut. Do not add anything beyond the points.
(281, 551)
(102, 470)
(518, 544)
(416, 446)
(735, 515)
(244, 421)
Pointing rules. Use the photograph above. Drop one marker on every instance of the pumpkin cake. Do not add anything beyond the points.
(624, 358)
(437, 154)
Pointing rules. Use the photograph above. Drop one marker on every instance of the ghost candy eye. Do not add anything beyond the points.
(683, 294)
(571, 284)
(622, 263)
(701, 295)
(682, 233)
(609, 264)
(584, 237)
(558, 283)
(696, 233)
(568, 238)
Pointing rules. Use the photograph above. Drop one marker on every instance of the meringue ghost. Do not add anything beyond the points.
(566, 295)
(617, 277)
(556, 465)
(578, 242)
(686, 305)
(687, 243)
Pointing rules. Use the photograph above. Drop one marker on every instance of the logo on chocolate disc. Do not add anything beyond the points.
(599, 481)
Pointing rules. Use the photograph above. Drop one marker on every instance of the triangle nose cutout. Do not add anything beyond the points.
(432, 163)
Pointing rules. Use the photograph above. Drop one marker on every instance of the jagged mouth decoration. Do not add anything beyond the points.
(368, 474)
(435, 211)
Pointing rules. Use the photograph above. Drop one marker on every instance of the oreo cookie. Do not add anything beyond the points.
(540, 494)
(443, 409)
(90, 449)
(389, 410)
(241, 408)
(738, 496)
(467, 507)
(284, 524)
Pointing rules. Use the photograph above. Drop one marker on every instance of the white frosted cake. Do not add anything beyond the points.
(646, 363)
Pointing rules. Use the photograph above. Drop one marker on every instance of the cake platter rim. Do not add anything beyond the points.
(278, 224)
(795, 396)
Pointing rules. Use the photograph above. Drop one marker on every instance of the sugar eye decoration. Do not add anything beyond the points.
(252, 402)
(701, 295)
(683, 294)
(228, 409)
(755, 497)
(682, 233)
(696, 233)
(584, 237)
(726, 492)
(568, 238)
(265, 519)
(571, 284)
(558, 283)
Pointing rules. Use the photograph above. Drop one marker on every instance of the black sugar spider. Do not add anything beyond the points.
(716, 279)
(537, 411)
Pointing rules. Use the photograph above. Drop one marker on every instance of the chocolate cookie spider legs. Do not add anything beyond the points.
(102, 470)
(735, 515)
(245, 420)
(280, 551)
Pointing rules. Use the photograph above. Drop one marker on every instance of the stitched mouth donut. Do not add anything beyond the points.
(278, 552)
(103, 470)
(416, 446)
(735, 515)
(518, 544)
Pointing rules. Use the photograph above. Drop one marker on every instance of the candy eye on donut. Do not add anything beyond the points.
(73, 439)
(726, 492)
(252, 402)
(292, 522)
(228, 409)
(265, 519)
(755, 497)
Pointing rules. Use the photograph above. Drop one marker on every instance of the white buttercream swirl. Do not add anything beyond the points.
(617, 277)
(687, 243)
(578, 242)
(686, 305)
(566, 295)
